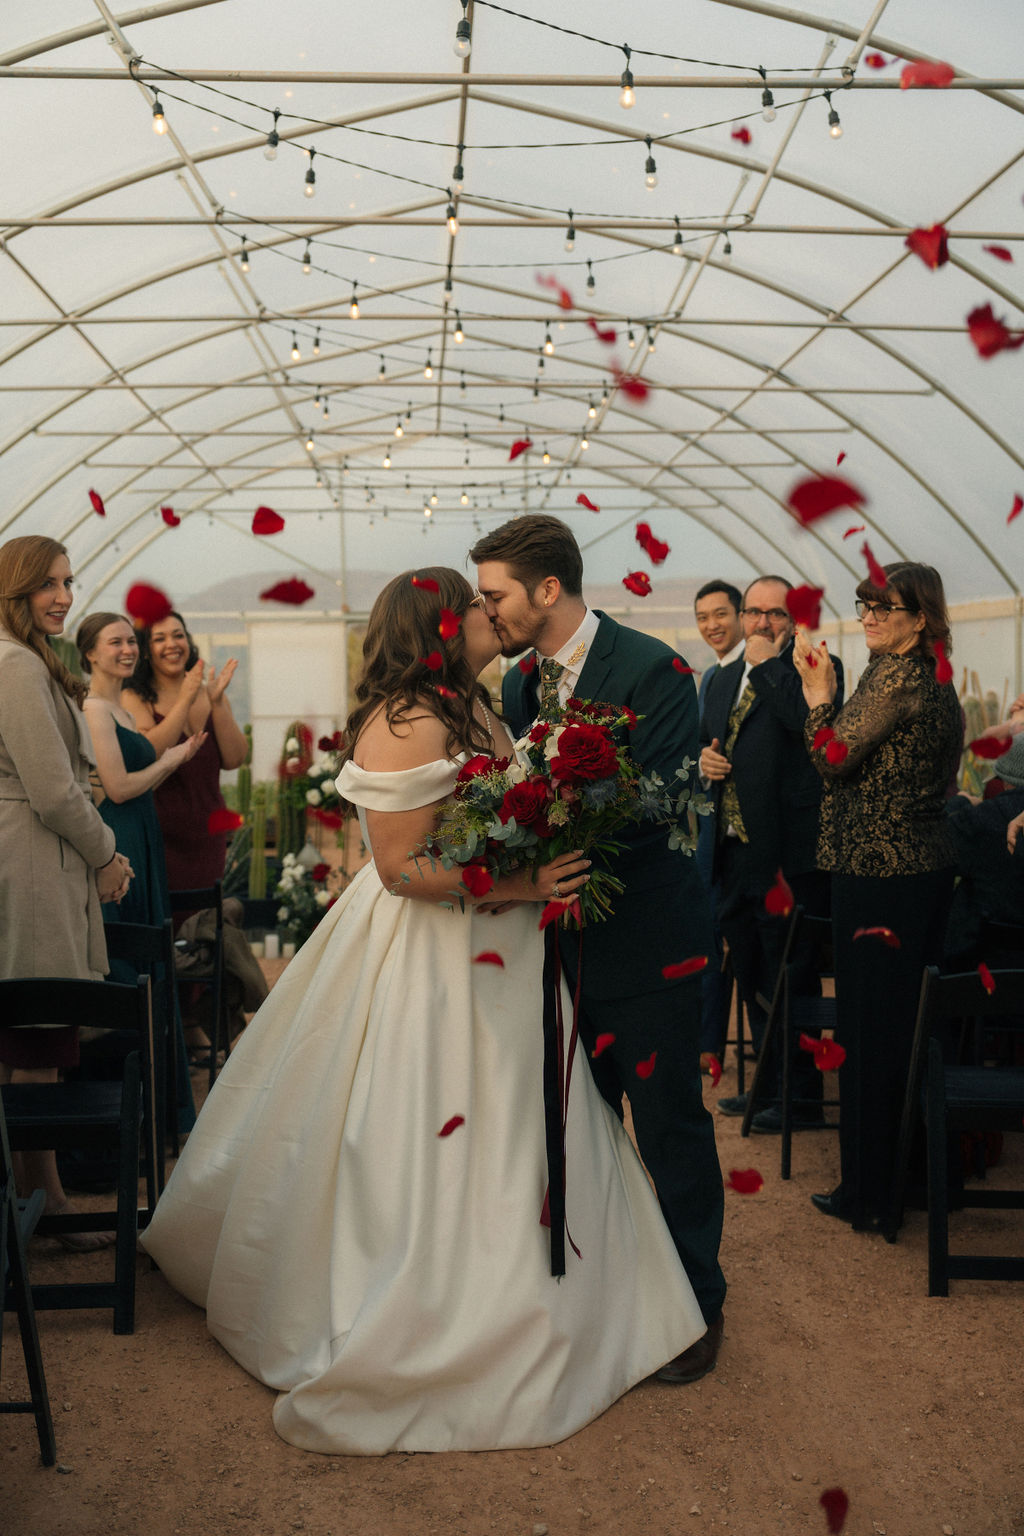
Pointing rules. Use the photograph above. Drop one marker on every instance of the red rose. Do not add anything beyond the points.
(320, 871)
(526, 802)
(539, 731)
(584, 752)
(474, 768)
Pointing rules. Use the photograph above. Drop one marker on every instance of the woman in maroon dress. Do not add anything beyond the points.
(170, 700)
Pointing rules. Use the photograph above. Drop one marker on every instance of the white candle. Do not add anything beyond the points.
(271, 948)
(287, 949)
(256, 946)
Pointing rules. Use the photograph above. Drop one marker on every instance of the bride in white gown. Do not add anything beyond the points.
(390, 1282)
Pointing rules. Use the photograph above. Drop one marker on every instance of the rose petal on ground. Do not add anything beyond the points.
(1016, 509)
(943, 667)
(714, 1070)
(146, 605)
(637, 582)
(779, 900)
(520, 445)
(427, 583)
(987, 979)
(451, 1125)
(990, 747)
(294, 591)
(835, 1503)
(601, 1044)
(836, 752)
(477, 880)
(655, 549)
(820, 495)
(1000, 252)
(745, 1181)
(885, 934)
(97, 503)
(931, 74)
(930, 244)
(645, 1068)
(435, 661)
(804, 605)
(170, 517)
(265, 520)
(489, 957)
(875, 571)
(223, 820)
(859, 528)
(449, 624)
(684, 967)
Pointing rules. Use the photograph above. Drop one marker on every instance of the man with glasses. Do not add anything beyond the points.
(767, 796)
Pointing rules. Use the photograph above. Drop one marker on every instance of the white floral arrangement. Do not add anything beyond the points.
(305, 895)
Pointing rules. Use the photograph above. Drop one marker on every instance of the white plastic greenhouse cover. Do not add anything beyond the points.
(140, 360)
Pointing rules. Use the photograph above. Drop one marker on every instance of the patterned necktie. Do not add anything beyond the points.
(550, 677)
(731, 814)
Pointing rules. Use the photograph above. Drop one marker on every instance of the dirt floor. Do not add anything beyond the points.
(837, 1370)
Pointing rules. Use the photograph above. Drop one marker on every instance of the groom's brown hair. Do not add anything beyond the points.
(534, 546)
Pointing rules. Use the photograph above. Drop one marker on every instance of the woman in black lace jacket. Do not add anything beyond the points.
(887, 759)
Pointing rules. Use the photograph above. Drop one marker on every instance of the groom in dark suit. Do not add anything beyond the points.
(530, 574)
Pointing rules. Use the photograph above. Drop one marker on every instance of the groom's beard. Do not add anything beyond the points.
(528, 635)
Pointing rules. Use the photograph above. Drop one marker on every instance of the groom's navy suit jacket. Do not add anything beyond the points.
(661, 916)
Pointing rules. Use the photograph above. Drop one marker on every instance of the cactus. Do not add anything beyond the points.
(258, 856)
(243, 787)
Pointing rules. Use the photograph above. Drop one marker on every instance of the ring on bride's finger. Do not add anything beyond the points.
(556, 893)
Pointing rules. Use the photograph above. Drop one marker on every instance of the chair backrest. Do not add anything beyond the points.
(967, 996)
(199, 899)
(147, 946)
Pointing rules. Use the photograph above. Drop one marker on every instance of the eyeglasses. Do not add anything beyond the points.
(776, 615)
(477, 601)
(878, 612)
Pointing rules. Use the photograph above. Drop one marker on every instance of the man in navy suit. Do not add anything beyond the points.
(529, 572)
(767, 796)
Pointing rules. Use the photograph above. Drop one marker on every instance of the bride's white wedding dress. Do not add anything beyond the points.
(392, 1283)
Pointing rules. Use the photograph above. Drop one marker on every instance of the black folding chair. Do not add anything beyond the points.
(788, 1016)
(94, 1116)
(149, 951)
(959, 1098)
(18, 1220)
(211, 974)
(742, 1040)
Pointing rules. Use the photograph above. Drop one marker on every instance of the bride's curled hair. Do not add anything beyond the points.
(403, 630)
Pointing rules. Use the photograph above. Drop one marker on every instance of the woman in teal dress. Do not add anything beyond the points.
(127, 771)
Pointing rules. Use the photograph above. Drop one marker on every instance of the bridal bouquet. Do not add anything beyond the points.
(573, 784)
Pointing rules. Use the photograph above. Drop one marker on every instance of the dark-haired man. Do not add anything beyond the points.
(530, 574)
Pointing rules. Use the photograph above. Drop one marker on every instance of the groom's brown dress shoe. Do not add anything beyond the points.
(696, 1361)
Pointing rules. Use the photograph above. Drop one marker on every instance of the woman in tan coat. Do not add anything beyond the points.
(57, 855)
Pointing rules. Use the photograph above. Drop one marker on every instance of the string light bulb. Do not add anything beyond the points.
(459, 174)
(453, 219)
(307, 264)
(244, 258)
(325, 412)
(316, 343)
(570, 234)
(545, 457)
(309, 443)
(433, 499)
(296, 354)
(835, 127)
(387, 458)
(428, 370)
(727, 249)
(591, 410)
(159, 121)
(650, 169)
(270, 148)
(677, 242)
(584, 441)
(448, 282)
(462, 383)
(591, 284)
(399, 429)
(463, 44)
(464, 498)
(767, 99)
(627, 95)
(353, 307)
(549, 346)
(630, 338)
(650, 339)
(460, 334)
(428, 510)
(381, 370)
(309, 190)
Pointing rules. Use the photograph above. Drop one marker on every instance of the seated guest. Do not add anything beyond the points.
(991, 886)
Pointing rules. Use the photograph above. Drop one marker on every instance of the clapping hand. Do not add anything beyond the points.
(193, 681)
(219, 680)
(814, 665)
(184, 751)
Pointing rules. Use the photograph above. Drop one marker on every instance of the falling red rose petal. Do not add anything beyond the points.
(932, 74)
(745, 1181)
(293, 591)
(779, 900)
(146, 605)
(742, 135)
(477, 880)
(875, 571)
(859, 528)
(828, 1055)
(445, 693)
(520, 445)
(875, 60)
(678, 665)
(645, 1068)
(930, 244)
(836, 752)
(1016, 509)
(655, 550)
(826, 733)
(553, 910)
(601, 1044)
(684, 967)
(816, 498)
(804, 605)
(633, 388)
(1000, 252)
(840, 456)
(607, 336)
(987, 979)
(714, 1070)
(885, 934)
(990, 747)
(637, 582)
(526, 664)
(451, 1125)
(835, 1504)
(223, 820)
(264, 520)
(989, 334)
(170, 517)
(565, 298)
(585, 501)
(489, 957)
(943, 668)
(427, 583)
(449, 624)
(97, 503)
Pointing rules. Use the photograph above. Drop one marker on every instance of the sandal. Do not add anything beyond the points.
(81, 1242)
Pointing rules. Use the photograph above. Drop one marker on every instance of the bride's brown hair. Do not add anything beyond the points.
(403, 631)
